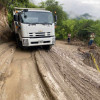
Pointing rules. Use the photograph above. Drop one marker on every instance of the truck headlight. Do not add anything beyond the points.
(25, 42)
(53, 40)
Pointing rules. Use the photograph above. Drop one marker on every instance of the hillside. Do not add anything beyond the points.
(5, 31)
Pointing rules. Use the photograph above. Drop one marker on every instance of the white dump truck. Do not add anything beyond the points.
(34, 27)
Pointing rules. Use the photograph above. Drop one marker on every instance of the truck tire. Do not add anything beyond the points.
(19, 43)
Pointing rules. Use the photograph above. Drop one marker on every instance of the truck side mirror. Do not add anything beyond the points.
(55, 18)
(15, 17)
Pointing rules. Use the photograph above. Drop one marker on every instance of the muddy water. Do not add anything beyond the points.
(58, 74)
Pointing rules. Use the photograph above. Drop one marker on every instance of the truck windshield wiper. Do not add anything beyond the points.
(38, 23)
(46, 23)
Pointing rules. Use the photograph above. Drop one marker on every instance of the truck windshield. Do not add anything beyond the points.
(32, 17)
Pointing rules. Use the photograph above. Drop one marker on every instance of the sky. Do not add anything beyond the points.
(79, 7)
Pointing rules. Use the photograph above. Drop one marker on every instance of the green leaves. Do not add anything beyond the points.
(80, 29)
(10, 4)
(50, 3)
(53, 6)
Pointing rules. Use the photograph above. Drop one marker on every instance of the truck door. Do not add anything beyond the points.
(19, 26)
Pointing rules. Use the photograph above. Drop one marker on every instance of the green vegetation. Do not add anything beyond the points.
(10, 4)
(80, 27)
(53, 6)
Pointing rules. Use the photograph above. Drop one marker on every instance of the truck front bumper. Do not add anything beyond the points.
(38, 41)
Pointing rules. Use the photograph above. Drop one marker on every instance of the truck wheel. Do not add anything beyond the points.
(47, 47)
(19, 43)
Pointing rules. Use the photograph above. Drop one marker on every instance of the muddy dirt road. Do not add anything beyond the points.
(58, 74)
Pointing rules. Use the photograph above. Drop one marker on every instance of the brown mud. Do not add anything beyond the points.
(58, 74)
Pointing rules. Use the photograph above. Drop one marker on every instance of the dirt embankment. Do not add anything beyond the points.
(91, 55)
(89, 59)
(5, 31)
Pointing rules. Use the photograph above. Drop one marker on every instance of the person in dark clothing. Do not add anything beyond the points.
(69, 37)
(92, 36)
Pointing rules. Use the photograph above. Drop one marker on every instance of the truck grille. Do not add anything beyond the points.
(38, 42)
(38, 34)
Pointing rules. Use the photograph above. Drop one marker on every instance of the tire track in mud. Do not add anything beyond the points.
(4, 47)
(70, 76)
(6, 55)
(84, 79)
(45, 75)
(68, 91)
(75, 78)
(53, 88)
(23, 82)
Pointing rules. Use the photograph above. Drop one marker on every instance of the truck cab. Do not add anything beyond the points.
(34, 27)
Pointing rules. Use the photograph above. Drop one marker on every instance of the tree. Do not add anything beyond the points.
(10, 4)
(42, 4)
(54, 6)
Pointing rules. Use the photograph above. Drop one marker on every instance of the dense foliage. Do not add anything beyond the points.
(10, 4)
(81, 27)
(56, 9)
